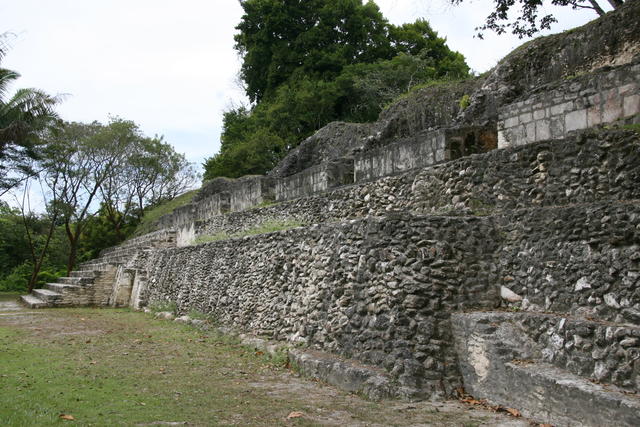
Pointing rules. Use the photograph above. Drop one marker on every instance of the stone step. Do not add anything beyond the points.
(91, 267)
(548, 393)
(549, 366)
(76, 280)
(32, 301)
(62, 287)
(82, 273)
(47, 295)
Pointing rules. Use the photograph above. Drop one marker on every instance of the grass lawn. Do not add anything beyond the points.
(110, 367)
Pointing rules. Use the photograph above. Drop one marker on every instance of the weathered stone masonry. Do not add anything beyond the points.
(577, 103)
(378, 289)
(426, 261)
(381, 290)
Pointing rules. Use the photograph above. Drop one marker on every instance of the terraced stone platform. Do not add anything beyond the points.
(512, 273)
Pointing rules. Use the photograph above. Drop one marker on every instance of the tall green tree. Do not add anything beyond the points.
(23, 116)
(307, 63)
(113, 170)
(320, 37)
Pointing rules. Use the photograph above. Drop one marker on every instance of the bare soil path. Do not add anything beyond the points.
(108, 367)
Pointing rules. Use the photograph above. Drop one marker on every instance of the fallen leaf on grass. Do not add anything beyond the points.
(295, 414)
(66, 417)
(513, 412)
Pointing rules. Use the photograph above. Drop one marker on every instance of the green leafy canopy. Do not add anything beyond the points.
(307, 63)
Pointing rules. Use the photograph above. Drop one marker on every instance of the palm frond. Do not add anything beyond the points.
(6, 77)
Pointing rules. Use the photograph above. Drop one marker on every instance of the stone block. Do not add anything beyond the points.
(502, 140)
(561, 108)
(517, 135)
(557, 127)
(530, 132)
(539, 114)
(543, 129)
(511, 122)
(628, 89)
(631, 105)
(593, 116)
(595, 99)
(525, 118)
(612, 108)
(575, 120)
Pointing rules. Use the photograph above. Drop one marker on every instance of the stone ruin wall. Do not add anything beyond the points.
(577, 103)
(383, 261)
(373, 289)
(601, 98)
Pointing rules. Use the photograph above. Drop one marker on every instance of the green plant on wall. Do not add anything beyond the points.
(464, 102)
(266, 227)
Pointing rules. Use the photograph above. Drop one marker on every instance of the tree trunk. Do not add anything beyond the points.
(616, 3)
(597, 7)
(73, 253)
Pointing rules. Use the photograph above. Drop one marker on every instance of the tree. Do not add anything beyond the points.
(114, 170)
(307, 63)
(277, 37)
(38, 247)
(13, 245)
(76, 164)
(23, 116)
(527, 23)
(150, 173)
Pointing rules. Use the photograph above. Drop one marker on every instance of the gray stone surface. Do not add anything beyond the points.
(588, 100)
(587, 167)
(315, 179)
(540, 364)
(378, 290)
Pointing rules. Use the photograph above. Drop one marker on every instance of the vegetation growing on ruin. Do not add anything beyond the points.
(266, 227)
(152, 215)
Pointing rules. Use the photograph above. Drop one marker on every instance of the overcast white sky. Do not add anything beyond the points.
(170, 66)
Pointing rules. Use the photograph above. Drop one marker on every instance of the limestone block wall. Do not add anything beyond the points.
(586, 167)
(164, 238)
(379, 290)
(315, 179)
(423, 149)
(577, 103)
(97, 293)
(218, 197)
(250, 191)
(427, 148)
(215, 204)
(382, 289)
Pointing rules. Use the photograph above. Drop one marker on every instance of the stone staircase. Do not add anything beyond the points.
(93, 282)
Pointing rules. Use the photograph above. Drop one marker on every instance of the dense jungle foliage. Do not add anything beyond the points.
(307, 63)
